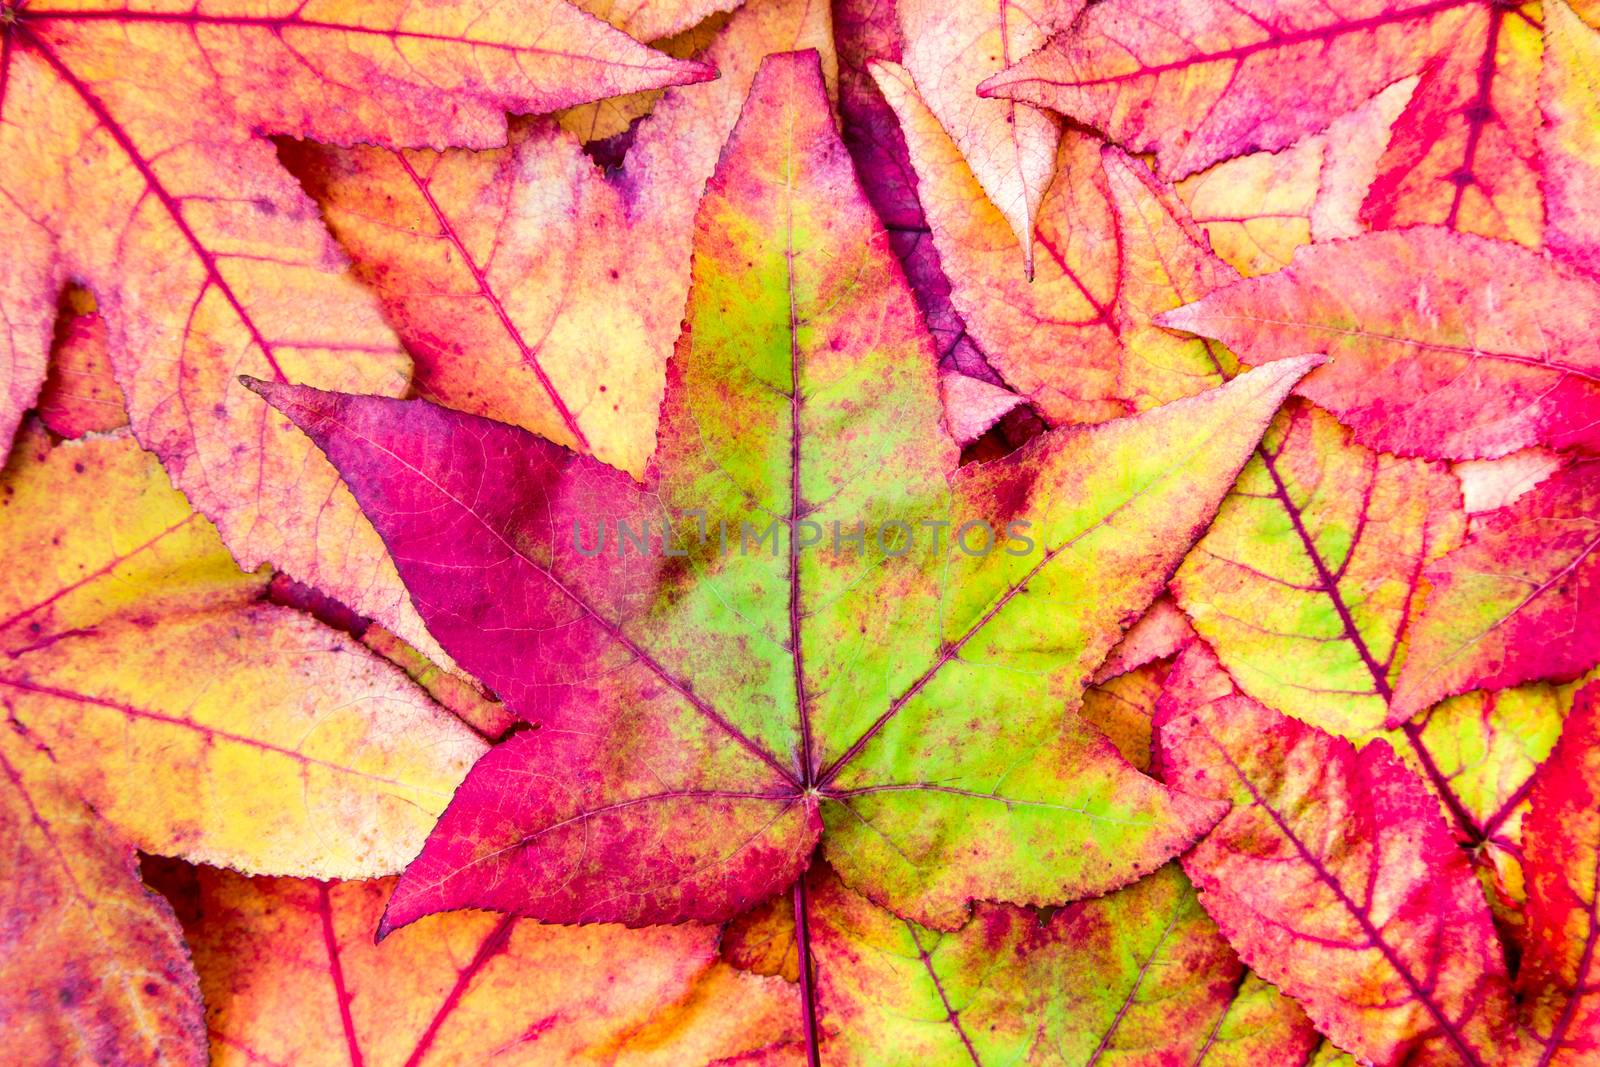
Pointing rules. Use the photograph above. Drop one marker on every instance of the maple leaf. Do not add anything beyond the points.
(1335, 877)
(290, 975)
(195, 719)
(1447, 345)
(1207, 79)
(1562, 839)
(532, 288)
(1117, 249)
(704, 722)
(1023, 325)
(133, 159)
(93, 967)
(1516, 603)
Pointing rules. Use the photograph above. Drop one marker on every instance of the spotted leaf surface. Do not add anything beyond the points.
(1141, 976)
(95, 969)
(747, 688)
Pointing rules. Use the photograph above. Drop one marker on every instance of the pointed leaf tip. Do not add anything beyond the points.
(1179, 318)
(989, 88)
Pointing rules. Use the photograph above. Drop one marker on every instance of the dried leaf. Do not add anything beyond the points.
(132, 158)
(1205, 80)
(867, 31)
(1138, 977)
(1490, 484)
(1011, 148)
(1123, 709)
(652, 20)
(93, 967)
(610, 119)
(1161, 632)
(1052, 338)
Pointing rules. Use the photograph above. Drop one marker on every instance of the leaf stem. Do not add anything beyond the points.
(808, 990)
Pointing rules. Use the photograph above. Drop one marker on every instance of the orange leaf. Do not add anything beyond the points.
(1053, 338)
(530, 287)
(132, 158)
(951, 46)
(93, 967)
(291, 975)
(197, 720)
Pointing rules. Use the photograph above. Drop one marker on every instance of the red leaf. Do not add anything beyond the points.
(1335, 877)
(700, 715)
(1444, 345)
(1517, 602)
(1562, 842)
(1204, 80)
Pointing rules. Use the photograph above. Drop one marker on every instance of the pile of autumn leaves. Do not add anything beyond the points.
(1279, 748)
